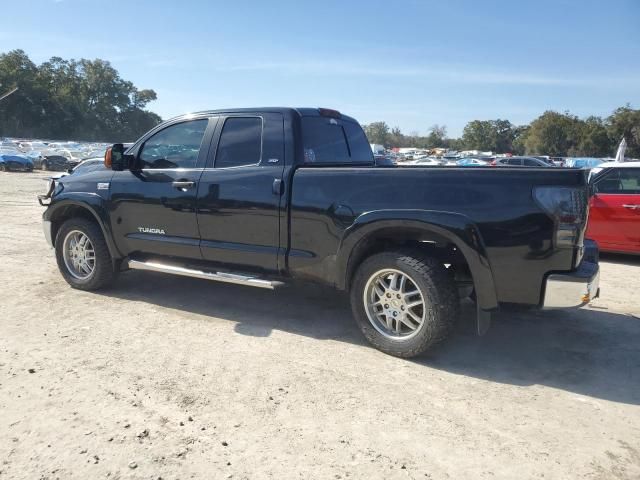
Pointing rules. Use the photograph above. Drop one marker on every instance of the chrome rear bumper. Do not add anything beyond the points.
(574, 289)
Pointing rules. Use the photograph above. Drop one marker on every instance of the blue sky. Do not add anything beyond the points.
(411, 63)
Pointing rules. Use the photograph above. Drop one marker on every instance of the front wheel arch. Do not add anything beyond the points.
(67, 210)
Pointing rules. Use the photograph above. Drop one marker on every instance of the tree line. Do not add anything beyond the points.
(88, 100)
(71, 100)
(552, 133)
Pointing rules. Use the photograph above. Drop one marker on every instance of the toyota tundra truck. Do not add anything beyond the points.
(268, 196)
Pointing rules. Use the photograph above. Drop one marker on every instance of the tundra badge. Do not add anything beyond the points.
(158, 231)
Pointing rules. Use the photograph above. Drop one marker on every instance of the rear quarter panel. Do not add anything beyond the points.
(516, 233)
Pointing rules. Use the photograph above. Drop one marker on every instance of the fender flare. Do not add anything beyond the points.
(455, 227)
(93, 204)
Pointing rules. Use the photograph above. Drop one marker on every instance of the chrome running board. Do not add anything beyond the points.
(215, 276)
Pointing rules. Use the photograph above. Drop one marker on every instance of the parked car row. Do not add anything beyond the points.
(476, 158)
(27, 155)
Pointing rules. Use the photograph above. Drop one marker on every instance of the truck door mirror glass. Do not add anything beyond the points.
(115, 158)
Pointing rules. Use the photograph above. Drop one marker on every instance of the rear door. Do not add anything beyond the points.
(154, 203)
(239, 195)
(614, 216)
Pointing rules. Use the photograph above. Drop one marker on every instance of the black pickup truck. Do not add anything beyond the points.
(266, 196)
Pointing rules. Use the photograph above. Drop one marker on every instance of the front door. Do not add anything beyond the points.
(614, 215)
(154, 202)
(240, 191)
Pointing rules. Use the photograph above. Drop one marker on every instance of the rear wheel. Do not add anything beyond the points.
(82, 255)
(404, 302)
(3, 167)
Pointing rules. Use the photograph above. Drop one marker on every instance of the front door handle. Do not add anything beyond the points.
(183, 185)
(632, 207)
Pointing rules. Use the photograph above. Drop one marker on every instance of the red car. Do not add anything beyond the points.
(614, 209)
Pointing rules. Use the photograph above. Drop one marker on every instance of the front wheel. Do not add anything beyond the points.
(82, 255)
(404, 302)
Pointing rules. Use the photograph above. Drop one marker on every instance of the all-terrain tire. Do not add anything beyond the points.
(441, 302)
(103, 273)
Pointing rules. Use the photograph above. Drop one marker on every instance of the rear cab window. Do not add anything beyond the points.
(328, 140)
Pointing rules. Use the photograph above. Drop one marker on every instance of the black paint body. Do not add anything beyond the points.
(290, 220)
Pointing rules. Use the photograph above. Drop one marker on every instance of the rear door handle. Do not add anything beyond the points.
(183, 185)
(278, 187)
(632, 207)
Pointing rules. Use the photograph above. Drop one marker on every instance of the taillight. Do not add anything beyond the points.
(494, 163)
(568, 208)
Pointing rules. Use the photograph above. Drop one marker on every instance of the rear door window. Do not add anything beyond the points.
(328, 140)
(240, 142)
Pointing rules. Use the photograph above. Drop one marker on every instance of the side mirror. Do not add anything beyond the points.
(115, 158)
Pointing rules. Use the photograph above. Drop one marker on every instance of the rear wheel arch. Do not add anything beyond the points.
(453, 239)
(390, 238)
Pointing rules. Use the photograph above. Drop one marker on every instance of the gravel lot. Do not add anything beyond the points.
(167, 377)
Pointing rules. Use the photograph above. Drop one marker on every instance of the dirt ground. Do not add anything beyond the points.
(167, 377)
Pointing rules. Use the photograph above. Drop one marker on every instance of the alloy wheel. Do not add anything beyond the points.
(79, 254)
(394, 304)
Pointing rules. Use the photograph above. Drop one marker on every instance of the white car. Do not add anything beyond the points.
(29, 146)
(425, 161)
(73, 155)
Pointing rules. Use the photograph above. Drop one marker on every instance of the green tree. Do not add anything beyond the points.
(22, 111)
(553, 133)
(489, 135)
(397, 138)
(593, 140)
(377, 132)
(437, 137)
(69, 99)
(504, 136)
(519, 139)
(624, 122)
